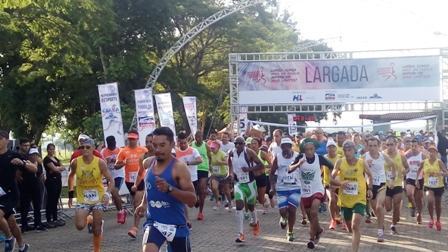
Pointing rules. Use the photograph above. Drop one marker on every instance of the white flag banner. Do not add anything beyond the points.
(292, 125)
(190, 112)
(111, 112)
(165, 111)
(146, 122)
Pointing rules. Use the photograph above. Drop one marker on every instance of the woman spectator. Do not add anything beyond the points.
(53, 184)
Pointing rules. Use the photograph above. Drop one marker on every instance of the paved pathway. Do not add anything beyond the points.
(217, 233)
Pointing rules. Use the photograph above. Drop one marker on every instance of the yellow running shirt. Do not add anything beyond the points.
(431, 174)
(327, 172)
(399, 172)
(89, 184)
(355, 191)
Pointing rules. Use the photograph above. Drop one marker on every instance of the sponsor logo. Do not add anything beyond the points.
(330, 96)
(375, 96)
(388, 72)
(297, 98)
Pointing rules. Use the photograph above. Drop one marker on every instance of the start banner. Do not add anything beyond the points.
(340, 80)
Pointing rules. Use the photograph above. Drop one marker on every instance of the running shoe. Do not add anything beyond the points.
(332, 225)
(304, 222)
(290, 236)
(246, 216)
(25, 248)
(59, 223)
(283, 222)
(133, 232)
(311, 244)
(256, 229)
(431, 224)
(200, 216)
(240, 238)
(380, 236)
(438, 226)
(121, 217)
(393, 230)
(10, 244)
(215, 208)
(419, 218)
(412, 211)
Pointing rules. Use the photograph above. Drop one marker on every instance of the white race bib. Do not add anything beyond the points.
(289, 178)
(389, 176)
(433, 181)
(306, 188)
(351, 188)
(91, 195)
(169, 231)
(2, 192)
(216, 169)
(133, 176)
(243, 177)
(377, 180)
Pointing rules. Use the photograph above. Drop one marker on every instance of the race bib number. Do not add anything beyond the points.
(306, 188)
(433, 181)
(216, 169)
(243, 177)
(133, 176)
(2, 192)
(351, 188)
(377, 180)
(289, 178)
(91, 195)
(389, 176)
(168, 231)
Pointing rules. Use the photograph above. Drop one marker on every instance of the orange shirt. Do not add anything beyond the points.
(131, 158)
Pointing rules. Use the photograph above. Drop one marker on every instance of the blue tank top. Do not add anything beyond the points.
(162, 207)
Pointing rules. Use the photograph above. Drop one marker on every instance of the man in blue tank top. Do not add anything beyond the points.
(168, 188)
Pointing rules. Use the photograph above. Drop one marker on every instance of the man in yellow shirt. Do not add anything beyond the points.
(89, 171)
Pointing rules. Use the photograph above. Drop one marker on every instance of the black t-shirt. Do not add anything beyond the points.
(8, 174)
(56, 162)
(28, 176)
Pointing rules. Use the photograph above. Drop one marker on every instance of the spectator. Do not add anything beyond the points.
(442, 145)
(53, 184)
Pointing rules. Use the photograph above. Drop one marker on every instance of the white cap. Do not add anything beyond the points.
(286, 140)
(33, 151)
(331, 142)
(82, 136)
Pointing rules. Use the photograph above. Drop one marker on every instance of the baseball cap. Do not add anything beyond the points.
(286, 140)
(82, 137)
(348, 144)
(330, 142)
(33, 151)
(433, 147)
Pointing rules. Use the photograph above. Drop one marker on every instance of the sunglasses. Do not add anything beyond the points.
(85, 147)
(239, 143)
(390, 144)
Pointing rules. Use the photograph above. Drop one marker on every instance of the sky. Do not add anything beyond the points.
(358, 25)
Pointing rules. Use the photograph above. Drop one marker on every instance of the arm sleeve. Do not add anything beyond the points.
(326, 162)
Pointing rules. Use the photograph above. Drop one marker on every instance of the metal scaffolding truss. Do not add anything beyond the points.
(237, 109)
(152, 79)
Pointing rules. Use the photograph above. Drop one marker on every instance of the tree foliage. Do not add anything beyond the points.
(54, 53)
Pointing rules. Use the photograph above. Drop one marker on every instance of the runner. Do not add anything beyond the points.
(352, 190)
(376, 163)
(394, 195)
(340, 139)
(149, 146)
(219, 175)
(242, 163)
(331, 192)
(10, 162)
(129, 157)
(191, 157)
(310, 167)
(90, 196)
(203, 169)
(287, 187)
(168, 188)
(415, 195)
(110, 154)
(274, 147)
(434, 171)
(260, 175)
(226, 145)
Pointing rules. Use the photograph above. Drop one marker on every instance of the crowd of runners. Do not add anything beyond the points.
(356, 177)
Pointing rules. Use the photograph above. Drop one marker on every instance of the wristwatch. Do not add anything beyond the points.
(170, 189)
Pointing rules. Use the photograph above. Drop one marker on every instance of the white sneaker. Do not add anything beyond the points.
(215, 208)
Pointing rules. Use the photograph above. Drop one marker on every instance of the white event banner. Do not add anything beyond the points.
(340, 80)
(111, 112)
(190, 112)
(165, 111)
(146, 122)
(292, 125)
